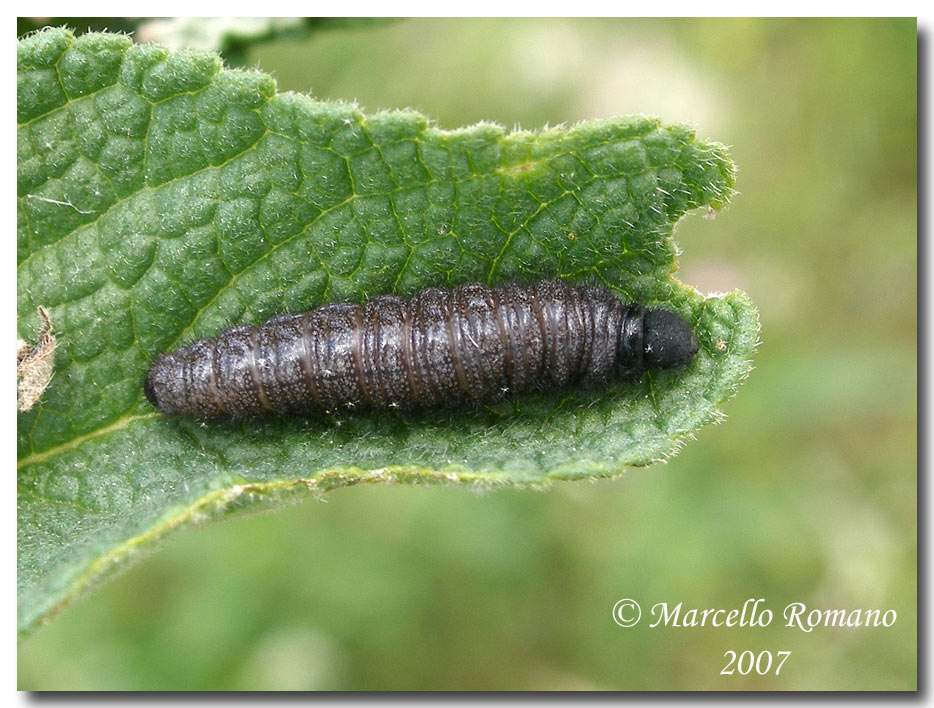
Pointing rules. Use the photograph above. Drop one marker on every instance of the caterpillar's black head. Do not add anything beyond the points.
(668, 341)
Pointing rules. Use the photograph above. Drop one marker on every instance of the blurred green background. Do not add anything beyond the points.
(806, 493)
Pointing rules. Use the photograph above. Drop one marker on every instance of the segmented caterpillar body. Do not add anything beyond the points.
(442, 348)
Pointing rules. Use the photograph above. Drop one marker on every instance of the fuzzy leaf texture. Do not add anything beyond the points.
(162, 198)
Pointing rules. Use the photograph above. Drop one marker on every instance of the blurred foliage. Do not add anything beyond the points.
(80, 25)
(232, 37)
(806, 494)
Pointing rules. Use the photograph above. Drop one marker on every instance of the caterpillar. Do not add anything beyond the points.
(472, 345)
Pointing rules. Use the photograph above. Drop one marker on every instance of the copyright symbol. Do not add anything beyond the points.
(627, 613)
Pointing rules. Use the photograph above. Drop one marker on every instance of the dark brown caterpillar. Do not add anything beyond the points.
(468, 346)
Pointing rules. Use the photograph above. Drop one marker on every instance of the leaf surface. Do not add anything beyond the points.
(162, 198)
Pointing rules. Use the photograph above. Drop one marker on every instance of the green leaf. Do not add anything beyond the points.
(162, 198)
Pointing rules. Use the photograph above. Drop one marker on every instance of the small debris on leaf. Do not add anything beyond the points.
(34, 365)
